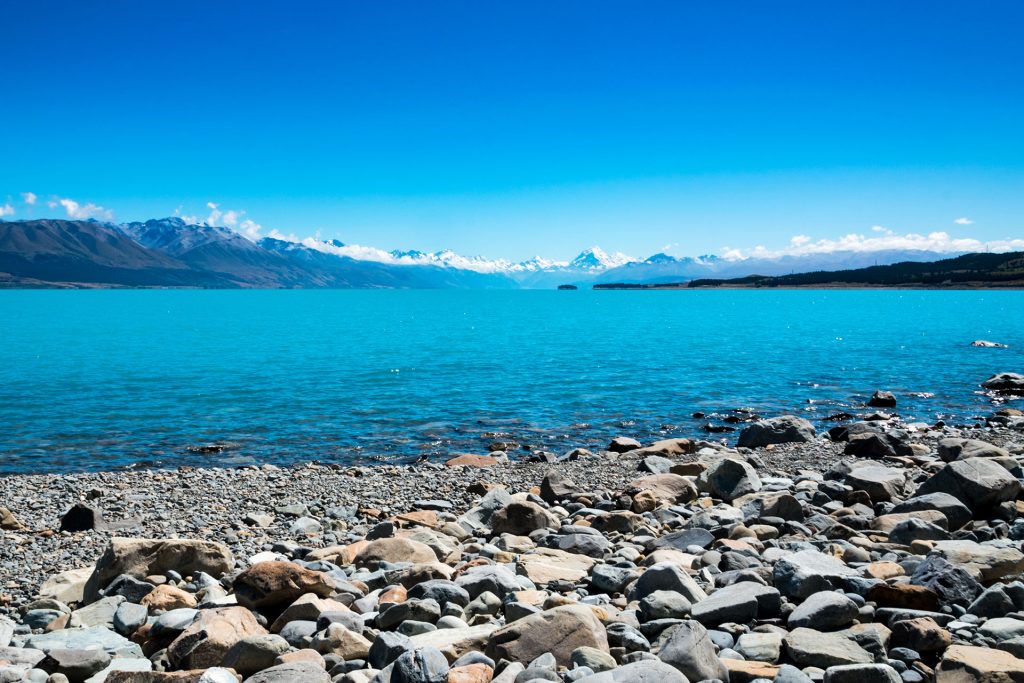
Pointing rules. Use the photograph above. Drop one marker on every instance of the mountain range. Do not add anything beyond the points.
(169, 252)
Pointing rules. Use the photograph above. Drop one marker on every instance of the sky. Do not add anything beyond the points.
(521, 128)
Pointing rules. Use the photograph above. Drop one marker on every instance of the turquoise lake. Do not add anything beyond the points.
(117, 378)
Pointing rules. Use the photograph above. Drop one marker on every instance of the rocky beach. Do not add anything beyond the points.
(875, 550)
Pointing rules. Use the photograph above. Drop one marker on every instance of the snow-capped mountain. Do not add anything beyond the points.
(173, 252)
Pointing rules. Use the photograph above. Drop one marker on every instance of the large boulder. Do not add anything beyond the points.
(808, 647)
(394, 550)
(559, 630)
(520, 518)
(272, 586)
(956, 513)
(1005, 383)
(986, 562)
(689, 649)
(783, 429)
(808, 571)
(979, 665)
(882, 484)
(141, 557)
(954, 448)
(978, 483)
(729, 479)
(205, 642)
(673, 488)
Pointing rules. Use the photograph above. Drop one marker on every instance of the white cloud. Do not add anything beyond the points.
(6, 210)
(884, 240)
(277, 235)
(84, 211)
(964, 221)
(250, 229)
(215, 214)
(29, 197)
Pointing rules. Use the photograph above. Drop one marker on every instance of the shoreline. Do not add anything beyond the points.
(316, 518)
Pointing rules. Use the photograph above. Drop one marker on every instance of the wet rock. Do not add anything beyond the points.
(1005, 383)
(882, 399)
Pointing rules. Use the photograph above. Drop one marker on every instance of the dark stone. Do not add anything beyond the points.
(81, 517)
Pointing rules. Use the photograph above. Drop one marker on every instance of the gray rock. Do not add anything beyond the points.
(808, 647)
(664, 605)
(655, 464)
(491, 578)
(555, 486)
(623, 444)
(254, 653)
(790, 674)
(99, 613)
(592, 658)
(882, 399)
(423, 665)
(77, 665)
(1005, 383)
(913, 529)
(441, 591)
(608, 578)
(739, 602)
(644, 671)
(956, 512)
(783, 429)
(953, 448)
(96, 637)
(291, 673)
(862, 673)
(882, 484)
(692, 653)
(978, 483)
(761, 647)
(808, 571)
(953, 585)
(667, 576)
(129, 617)
(824, 611)
(729, 479)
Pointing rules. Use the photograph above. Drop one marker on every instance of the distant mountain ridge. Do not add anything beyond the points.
(170, 252)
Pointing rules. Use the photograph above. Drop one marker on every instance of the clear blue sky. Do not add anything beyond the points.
(509, 129)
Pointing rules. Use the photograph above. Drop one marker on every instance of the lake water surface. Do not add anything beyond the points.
(114, 378)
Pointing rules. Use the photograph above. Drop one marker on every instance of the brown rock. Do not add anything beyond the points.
(168, 597)
(394, 550)
(883, 570)
(559, 631)
(140, 557)
(741, 671)
(967, 664)
(271, 586)
(469, 460)
(304, 655)
(471, 673)
(921, 634)
(903, 595)
(520, 518)
(394, 594)
(341, 641)
(204, 643)
(426, 518)
(8, 522)
(669, 487)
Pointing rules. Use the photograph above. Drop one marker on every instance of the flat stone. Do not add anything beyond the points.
(142, 557)
(808, 647)
(559, 630)
(979, 665)
(986, 562)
